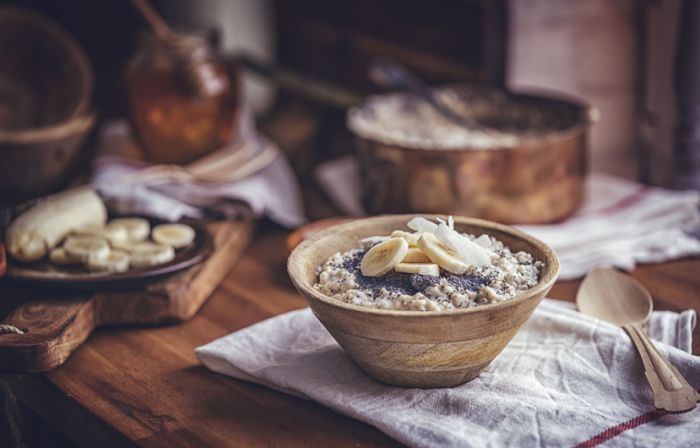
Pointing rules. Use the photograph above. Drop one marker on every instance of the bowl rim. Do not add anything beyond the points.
(42, 134)
(543, 285)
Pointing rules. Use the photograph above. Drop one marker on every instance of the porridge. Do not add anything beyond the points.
(433, 269)
(405, 120)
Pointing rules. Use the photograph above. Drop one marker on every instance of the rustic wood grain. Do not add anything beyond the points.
(56, 322)
(146, 386)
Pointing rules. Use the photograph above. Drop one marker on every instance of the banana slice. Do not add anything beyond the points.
(116, 261)
(85, 247)
(176, 235)
(414, 255)
(133, 247)
(431, 269)
(151, 254)
(114, 233)
(58, 256)
(137, 228)
(447, 259)
(383, 257)
(411, 238)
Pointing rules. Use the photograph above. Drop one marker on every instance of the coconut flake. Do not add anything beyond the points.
(469, 252)
(483, 241)
(451, 222)
(420, 224)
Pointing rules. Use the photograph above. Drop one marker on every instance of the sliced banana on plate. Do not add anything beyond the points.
(137, 228)
(411, 238)
(383, 257)
(113, 233)
(431, 269)
(447, 259)
(150, 254)
(176, 235)
(415, 255)
(85, 247)
(133, 247)
(116, 261)
(58, 256)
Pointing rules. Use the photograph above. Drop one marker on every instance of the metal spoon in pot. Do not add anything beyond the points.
(621, 300)
(389, 74)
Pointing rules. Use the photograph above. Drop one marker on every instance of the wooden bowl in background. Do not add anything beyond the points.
(45, 76)
(38, 162)
(418, 348)
(46, 84)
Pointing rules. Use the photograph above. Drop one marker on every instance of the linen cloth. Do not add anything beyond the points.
(272, 191)
(621, 222)
(563, 379)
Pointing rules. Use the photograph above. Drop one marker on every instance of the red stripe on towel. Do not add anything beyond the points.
(622, 427)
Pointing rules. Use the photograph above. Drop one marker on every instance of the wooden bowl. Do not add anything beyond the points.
(46, 84)
(38, 162)
(418, 348)
(45, 75)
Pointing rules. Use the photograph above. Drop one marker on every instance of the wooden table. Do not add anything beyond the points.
(145, 387)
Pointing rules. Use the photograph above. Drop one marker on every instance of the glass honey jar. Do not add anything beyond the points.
(174, 123)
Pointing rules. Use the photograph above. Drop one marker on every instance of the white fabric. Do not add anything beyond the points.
(621, 223)
(272, 191)
(563, 379)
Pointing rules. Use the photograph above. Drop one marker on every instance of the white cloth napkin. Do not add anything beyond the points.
(272, 191)
(621, 223)
(563, 379)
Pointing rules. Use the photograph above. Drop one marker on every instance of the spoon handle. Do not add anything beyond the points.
(671, 391)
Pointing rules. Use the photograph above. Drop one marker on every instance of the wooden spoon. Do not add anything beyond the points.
(621, 300)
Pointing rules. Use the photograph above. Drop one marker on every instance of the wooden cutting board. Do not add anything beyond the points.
(57, 322)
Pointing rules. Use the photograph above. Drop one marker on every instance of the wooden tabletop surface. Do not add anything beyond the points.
(145, 387)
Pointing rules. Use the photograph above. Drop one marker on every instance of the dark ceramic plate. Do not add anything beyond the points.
(47, 275)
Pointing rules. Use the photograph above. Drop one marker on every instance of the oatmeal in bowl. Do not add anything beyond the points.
(431, 268)
(422, 300)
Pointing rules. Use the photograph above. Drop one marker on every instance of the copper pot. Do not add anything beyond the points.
(538, 181)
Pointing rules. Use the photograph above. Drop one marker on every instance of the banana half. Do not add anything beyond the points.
(383, 257)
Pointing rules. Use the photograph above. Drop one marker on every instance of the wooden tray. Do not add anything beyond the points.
(56, 322)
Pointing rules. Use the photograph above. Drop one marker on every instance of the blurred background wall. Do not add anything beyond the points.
(587, 48)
